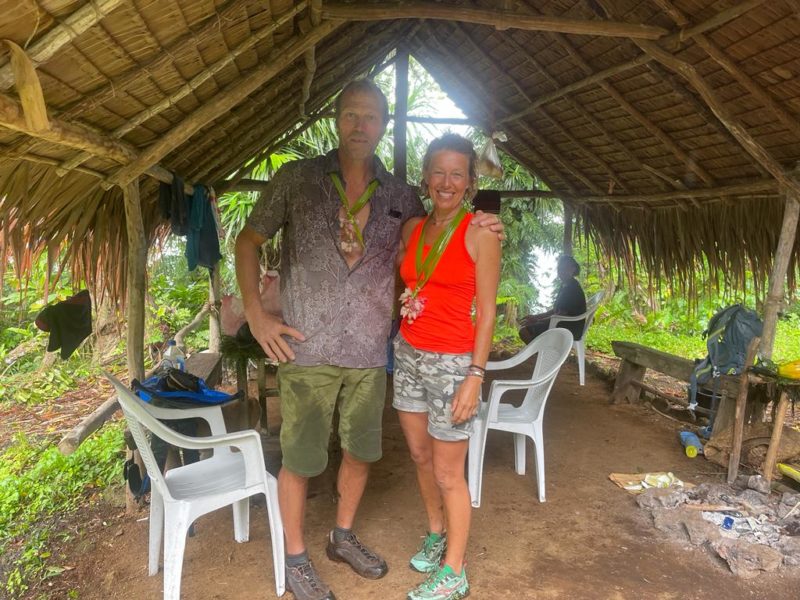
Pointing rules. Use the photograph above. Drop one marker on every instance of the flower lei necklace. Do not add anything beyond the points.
(411, 303)
(351, 236)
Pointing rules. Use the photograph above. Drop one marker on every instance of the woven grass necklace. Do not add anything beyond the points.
(350, 232)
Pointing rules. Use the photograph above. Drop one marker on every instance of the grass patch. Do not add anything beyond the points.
(38, 487)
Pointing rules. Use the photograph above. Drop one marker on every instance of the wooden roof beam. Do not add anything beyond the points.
(474, 90)
(309, 58)
(746, 141)
(117, 85)
(191, 85)
(643, 120)
(740, 189)
(550, 148)
(579, 108)
(223, 102)
(498, 18)
(722, 59)
(72, 26)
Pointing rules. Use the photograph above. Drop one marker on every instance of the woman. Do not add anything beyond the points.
(440, 355)
(570, 302)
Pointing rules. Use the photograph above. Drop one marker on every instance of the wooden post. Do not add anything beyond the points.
(137, 264)
(400, 114)
(780, 265)
(624, 388)
(214, 303)
(775, 440)
(566, 246)
(738, 421)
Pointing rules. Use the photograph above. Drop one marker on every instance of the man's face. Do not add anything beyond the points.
(360, 124)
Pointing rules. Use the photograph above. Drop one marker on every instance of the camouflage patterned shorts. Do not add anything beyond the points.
(426, 382)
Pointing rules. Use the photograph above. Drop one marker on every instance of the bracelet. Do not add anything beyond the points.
(476, 367)
(475, 372)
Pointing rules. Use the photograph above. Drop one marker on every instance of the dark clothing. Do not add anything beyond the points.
(570, 302)
(174, 205)
(202, 241)
(69, 323)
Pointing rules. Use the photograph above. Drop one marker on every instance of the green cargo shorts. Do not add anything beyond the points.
(308, 398)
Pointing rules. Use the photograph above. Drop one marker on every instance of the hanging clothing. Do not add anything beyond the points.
(69, 323)
(174, 205)
(202, 241)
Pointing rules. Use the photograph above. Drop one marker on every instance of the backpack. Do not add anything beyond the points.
(172, 388)
(728, 334)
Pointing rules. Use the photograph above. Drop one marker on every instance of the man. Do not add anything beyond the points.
(570, 302)
(341, 216)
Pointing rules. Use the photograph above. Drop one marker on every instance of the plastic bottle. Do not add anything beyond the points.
(691, 443)
(173, 357)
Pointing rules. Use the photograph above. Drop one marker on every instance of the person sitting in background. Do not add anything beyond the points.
(570, 302)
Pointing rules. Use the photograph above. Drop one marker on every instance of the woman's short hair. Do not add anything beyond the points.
(363, 86)
(567, 260)
(455, 143)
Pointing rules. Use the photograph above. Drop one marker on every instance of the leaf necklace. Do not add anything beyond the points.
(411, 303)
(351, 236)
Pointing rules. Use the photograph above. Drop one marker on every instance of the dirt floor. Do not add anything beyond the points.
(589, 540)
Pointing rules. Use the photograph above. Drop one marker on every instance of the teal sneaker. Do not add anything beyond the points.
(443, 584)
(430, 554)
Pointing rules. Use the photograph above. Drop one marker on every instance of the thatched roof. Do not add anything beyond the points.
(667, 123)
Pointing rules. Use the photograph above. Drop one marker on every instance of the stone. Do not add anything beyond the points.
(759, 484)
(669, 521)
(699, 530)
(747, 560)
(661, 498)
(790, 548)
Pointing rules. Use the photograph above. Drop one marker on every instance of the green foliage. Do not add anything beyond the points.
(38, 487)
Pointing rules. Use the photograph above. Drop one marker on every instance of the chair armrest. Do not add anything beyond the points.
(210, 414)
(558, 318)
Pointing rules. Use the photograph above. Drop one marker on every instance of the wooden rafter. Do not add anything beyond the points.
(119, 84)
(590, 185)
(227, 99)
(634, 112)
(191, 85)
(475, 89)
(740, 189)
(70, 27)
(577, 106)
(309, 58)
(499, 18)
(723, 60)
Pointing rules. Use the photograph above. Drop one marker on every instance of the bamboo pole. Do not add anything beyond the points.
(780, 266)
(738, 420)
(137, 265)
(400, 114)
(775, 438)
(70, 27)
(739, 189)
(191, 85)
(223, 102)
(498, 18)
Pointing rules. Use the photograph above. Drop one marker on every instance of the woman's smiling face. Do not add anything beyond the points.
(448, 179)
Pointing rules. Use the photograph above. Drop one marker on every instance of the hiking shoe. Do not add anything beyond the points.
(443, 584)
(304, 582)
(430, 554)
(360, 558)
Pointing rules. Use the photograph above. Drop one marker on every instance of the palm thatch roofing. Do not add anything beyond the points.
(670, 126)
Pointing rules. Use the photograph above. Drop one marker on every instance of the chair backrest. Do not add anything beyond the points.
(139, 422)
(551, 349)
(591, 307)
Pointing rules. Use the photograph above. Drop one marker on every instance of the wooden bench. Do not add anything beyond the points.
(636, 359)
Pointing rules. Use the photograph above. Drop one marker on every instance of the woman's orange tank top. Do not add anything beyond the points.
(445, 323)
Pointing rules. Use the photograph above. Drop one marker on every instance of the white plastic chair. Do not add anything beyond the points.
(186, 493)
(551, 349)
(580, 344)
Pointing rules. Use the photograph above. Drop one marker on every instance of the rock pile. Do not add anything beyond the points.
(752, 530)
